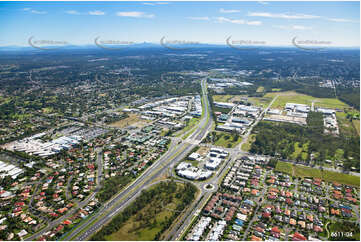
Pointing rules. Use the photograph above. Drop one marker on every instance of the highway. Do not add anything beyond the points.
(180, 227)
(175, 154)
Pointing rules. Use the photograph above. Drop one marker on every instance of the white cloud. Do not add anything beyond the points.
(298, 16)
(292, 27)
(199, 18)
(135, 14)
(228, 11)
(300, 27)
(341, 20)
(227, 20)
(155, 3)
(73, 12)
(282, 15)
(34, 11)
(237, 21)
(96, 12)
(254, 23)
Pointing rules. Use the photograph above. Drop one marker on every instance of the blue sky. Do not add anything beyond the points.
(274, 23)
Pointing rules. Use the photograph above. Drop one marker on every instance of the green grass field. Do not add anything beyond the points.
(222, 98)
(330, 176)
(345, 125)
(226, 140)
(294, 97)
(284, 167)
(260, 101)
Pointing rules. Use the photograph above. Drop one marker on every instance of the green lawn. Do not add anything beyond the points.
(294, 97)
(226, 140)
(330, 176)
(260, 101)
(132, 230)
(284, 167)
(222, 98)
(345, 125)
(302, 171)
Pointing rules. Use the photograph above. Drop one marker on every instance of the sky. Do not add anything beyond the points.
(272, 23)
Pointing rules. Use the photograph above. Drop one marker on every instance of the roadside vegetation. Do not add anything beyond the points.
(191, 123)
(247, 145)
(151, 214)
(111, 186)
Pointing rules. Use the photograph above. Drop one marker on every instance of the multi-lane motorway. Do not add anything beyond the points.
(178, 150)
(175, 154)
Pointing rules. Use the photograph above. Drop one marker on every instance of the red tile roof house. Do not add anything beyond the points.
(255, 192)
(255, 238)
(259, 229)
(275, 232)
(266, 215)
(317, 228)
(67, 222)
(298, 237)
(19, 204)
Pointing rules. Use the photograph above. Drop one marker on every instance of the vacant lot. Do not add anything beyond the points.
(227, 140)
(294, 97)
(346, 126)
(222, 98)
(133, 119)
(203, 150)
(330, 176)
(284, 167)
(260, 101)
